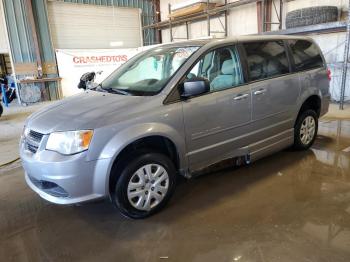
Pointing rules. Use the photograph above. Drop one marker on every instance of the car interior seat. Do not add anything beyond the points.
(226, 78)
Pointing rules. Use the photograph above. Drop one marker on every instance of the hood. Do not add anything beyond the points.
(87, 110)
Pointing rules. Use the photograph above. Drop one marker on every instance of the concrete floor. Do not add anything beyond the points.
(291, 206)
(11, 127)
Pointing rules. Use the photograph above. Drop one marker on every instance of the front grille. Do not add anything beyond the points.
(33, 141)
(35, 135)
(49, 187)
(31, 148)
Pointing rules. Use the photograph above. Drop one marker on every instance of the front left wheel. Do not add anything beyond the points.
(145, 185)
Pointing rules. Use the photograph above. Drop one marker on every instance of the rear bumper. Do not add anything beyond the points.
(325, 105)
(65, 179)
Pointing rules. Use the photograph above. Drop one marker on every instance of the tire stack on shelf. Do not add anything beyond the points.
(311, 16)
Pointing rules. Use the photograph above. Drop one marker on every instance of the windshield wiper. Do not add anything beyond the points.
(120, 91)
(100, 88)
(116, 91)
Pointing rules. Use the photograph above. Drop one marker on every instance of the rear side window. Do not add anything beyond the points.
(266, 59)
(306, 55)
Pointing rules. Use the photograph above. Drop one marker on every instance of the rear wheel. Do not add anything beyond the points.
(305, 131)
(1, 109)
(145, 185)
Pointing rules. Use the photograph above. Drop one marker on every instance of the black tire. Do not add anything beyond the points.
(1, 109)
(311, 16)
(120, 195)
(298, 144)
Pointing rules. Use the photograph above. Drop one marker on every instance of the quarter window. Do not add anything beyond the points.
(221, 67)
(306, 55)
(266, 59)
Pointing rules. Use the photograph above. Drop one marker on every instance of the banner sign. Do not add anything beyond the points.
(72, 64)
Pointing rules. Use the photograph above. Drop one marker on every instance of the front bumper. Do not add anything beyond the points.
(64, 179)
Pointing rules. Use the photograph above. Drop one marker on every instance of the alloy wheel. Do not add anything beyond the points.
(307, 130)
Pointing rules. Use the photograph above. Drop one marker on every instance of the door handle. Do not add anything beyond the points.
(260, 92)
(240, 97)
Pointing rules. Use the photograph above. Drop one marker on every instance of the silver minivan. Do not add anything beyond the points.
(174, 110)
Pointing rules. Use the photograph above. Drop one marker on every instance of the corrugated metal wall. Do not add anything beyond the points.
(46, 48)
(21, 43)
(21, 40)
(40, 14)
(20, 34)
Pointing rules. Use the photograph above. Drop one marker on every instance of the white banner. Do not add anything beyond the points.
(73, 63)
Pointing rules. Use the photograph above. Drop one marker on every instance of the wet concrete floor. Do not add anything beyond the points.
(292, 206)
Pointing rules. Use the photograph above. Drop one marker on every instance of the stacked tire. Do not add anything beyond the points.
(311, 16)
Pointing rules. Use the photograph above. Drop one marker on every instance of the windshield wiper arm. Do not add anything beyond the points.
(120, 91)
(116, 91)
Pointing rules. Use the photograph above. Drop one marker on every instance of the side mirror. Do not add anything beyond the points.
(195, 86)
(85, 79)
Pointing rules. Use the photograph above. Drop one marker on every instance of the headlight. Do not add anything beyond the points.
(70, 142)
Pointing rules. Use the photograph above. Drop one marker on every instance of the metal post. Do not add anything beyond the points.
(208, 18)
(268, 14)
(345, 66)
(30, 16)
(259, 16)
(281, 14)
(156, 7)
(187, 34)
(226, 11)
(263, 7)
(170, 27)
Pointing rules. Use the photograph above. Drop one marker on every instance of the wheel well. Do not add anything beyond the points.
(152, 143)
(314, 103)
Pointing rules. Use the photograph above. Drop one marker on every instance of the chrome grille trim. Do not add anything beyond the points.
(33, 140)
(36, 135)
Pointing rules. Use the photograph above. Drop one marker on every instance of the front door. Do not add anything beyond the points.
(216, 123)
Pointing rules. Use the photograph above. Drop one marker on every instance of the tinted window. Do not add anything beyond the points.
(306, 55)
(221, 67)
(266, 59)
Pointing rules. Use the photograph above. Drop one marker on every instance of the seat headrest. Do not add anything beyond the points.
(227, 67)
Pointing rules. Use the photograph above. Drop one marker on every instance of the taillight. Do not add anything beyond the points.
(329, 74)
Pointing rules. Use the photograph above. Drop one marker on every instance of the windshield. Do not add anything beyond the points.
(148, 73)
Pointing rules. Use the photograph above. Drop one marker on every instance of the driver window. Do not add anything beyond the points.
(221, 67)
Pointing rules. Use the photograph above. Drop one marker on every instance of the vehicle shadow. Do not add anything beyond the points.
(203, 192)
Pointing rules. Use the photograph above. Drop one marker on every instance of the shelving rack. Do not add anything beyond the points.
(264, 12)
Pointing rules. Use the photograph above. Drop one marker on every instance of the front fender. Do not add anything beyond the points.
(128, 135)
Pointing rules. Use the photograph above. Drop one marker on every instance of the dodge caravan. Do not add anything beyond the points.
(174, 110)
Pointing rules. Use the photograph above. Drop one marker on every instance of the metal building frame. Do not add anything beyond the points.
(345, 65)
(31, 49)
(264, 12)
